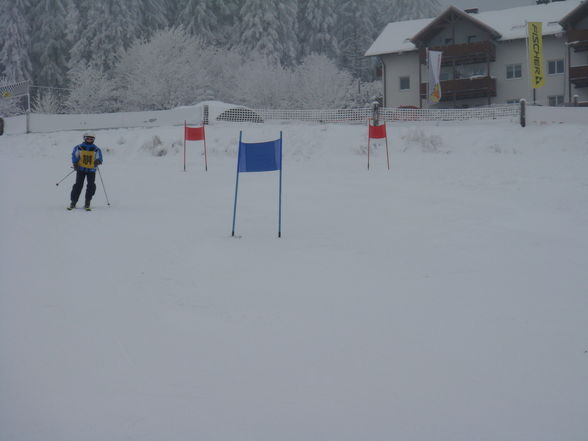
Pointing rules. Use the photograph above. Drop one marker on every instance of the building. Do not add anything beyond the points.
(485, 57)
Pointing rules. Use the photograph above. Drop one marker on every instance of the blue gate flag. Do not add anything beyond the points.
(259, 157)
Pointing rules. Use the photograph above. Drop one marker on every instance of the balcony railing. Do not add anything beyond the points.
(579, 76)
(468, 53)
(578, 39)
(465, 89)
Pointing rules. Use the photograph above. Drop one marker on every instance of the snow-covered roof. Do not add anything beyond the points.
(576, 15)
(509, 23)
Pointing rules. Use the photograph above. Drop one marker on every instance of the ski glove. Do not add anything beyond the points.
(76, 167)
(97, 162)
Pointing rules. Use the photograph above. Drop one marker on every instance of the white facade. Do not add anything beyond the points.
(507, 69)
(396, 67)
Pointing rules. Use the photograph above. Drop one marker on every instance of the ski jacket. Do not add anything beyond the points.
(84, 156)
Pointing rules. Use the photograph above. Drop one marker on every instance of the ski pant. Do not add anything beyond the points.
(90, 186)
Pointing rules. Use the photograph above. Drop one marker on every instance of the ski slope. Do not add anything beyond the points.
(443, 300)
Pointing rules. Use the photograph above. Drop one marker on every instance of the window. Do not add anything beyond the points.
(513, 101)
(472, 71)
(471, 38)
(448, 41)
(514, 71)
(555, 67)
(444, 76)
(556, 100)
(404, 83)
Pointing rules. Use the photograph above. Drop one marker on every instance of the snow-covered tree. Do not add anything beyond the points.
(354, 34)
(268, 27)
(15, 62)
(316, 26)
(287, 13)
(8, 105)
(264, 84)
(167, 71)
(91, 91)
(47, 102)
(222, 69)
(227, 18)
(198, 19)
(413, 9)
(154, 16)
(106, 27)
(316, 83)
(50, 44)
(388, 11)
(319, 84)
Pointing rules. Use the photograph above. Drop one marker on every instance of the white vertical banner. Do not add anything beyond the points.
(434, 62)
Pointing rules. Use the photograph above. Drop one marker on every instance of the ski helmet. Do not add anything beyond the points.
(89, 135)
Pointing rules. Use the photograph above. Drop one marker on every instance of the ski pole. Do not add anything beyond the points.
(103, 188)
(65, 177)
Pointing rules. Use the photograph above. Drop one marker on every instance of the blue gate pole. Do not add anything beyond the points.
(237, 183)
(280, 204)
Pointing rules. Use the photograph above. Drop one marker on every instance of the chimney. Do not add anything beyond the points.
(472, 11)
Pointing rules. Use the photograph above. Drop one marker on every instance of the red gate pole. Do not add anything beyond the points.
(368, 144)
(387, 155)
(184, 145)
(204, 139)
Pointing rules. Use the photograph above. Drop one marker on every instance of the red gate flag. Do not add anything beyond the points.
(194, 134)
(377, 132)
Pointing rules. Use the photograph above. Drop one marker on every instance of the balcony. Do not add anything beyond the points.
(579, 76)
(469, 53)
(578, 39)
(465, 89)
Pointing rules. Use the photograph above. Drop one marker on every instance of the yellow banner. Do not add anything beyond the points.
(535, 44)
(86, 159)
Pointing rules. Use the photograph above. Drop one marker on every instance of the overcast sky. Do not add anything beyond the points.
(487, 5)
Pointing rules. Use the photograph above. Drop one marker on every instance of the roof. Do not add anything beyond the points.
(439, 23)
(508, 23)
(575, 15)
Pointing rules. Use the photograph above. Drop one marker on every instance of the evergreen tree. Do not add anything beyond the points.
(51, 45)
(107, 27)
(355, 31)
(316, 25)
(154, 16)
(413, 9)
(226, 11)
(227, 18)
(198, 19)
(15, 62)
(388, 11)
(268, 27)
(287, 13)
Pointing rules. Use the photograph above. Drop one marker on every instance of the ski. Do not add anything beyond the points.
(70, 208)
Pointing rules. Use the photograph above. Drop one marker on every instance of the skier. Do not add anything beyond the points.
(86, 157)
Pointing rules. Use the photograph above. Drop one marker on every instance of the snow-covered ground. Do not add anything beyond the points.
(443, 300)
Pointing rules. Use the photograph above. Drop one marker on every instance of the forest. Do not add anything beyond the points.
(115, 55)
